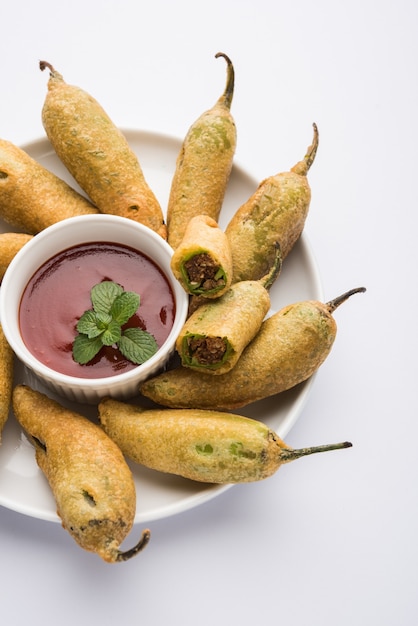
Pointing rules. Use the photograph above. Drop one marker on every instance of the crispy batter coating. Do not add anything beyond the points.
(203, 165)
(274, 215)
(288, 349)
(202, 262)
(32, 197)
(10, 244)
(207, 446)
(6, 379)
(89, 477)
(97, 154)
(231, 322)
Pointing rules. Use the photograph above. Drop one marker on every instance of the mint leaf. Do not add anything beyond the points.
(103, 320)
(87, 325)
(124, 306)
(103, 295)
(137, 345)
(112, 334)
(102, 326)
(85, 349)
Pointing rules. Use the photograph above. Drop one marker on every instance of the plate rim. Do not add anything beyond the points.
(209, 492)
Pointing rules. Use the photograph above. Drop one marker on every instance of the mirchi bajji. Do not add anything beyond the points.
(289, 347)
(91, 482)
(274, 214)
(206, 446)
(202, 262)
(97, 154)
(204, 164)
(33, 198)
(215, 335)
(6, 379)
(10, 244)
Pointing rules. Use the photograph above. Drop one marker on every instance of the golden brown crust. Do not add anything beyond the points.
(288, 349)
(203, 236)
(6, 379)
(275, 213)
(32, 197)
(98, 155)
(10, 244)
(91, 482)
(202, 171)
(203, 445)
(236, 317)
(273, 217)
(207, 446)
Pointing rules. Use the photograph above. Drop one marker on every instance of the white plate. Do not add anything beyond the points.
(23, 487)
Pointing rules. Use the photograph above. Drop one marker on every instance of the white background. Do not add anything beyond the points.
(330, 540)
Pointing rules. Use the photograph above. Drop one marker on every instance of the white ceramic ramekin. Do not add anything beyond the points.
(46, 244)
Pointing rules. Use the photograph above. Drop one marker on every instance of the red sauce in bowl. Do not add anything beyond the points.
(59, 293)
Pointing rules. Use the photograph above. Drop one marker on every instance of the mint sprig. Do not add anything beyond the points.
(102, 326)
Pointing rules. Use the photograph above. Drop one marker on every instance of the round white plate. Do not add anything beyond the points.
(23, 487)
